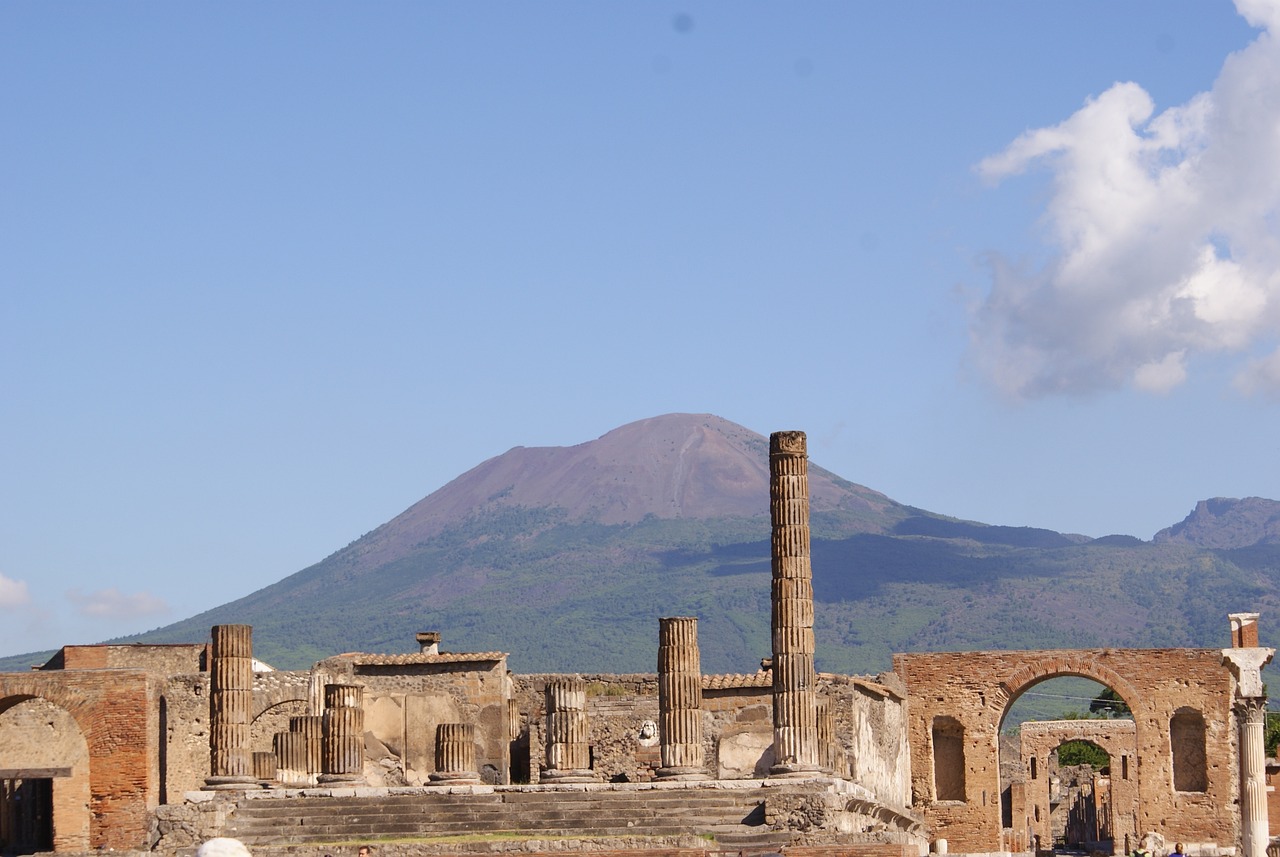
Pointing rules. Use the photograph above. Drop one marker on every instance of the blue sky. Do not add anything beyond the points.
(271, 273)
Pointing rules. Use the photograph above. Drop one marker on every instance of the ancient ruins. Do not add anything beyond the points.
(155, 748)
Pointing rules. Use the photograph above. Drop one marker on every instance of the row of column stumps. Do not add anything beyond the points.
(795, 721)
(327, 749)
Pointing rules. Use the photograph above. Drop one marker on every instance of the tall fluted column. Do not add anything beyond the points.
(311, 728)
(342, 741)
(795, 728)
(568, 751)
(1251, 714)
(230, 708)
(455, 755)
(1246, 659)
(680, 699)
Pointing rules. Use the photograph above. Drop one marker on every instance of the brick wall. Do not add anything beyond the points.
(977, 688)
(116, 713)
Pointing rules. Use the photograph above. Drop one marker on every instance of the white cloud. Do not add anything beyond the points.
(13, 593)
(1166, 237)
(114, 604)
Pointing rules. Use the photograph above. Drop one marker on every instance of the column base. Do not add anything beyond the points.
(682, 774)
(569, 776)
(348, 780)
(795, 770)
(216, 784)
(454, 778)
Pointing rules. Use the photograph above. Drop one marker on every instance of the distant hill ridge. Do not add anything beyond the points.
(565, 557)
(1226, 523)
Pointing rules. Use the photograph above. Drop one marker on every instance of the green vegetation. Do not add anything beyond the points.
(1083, 753)
(1109, 704)
(1271, 737)
(563, 596)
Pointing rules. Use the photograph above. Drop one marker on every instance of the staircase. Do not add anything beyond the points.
(735, 814)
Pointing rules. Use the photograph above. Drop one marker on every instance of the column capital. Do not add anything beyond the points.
(1246, 665)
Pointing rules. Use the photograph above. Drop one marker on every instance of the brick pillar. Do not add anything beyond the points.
(311, 728)
(795, 728)
(291, 759)
(680, 700)
(455, 756)
(230, 708)
(568, 753)
(342, 739)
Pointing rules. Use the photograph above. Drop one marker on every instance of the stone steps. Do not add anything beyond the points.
(268, 821)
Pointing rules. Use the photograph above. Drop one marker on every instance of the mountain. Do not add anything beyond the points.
(565, 557)
(1226, 523)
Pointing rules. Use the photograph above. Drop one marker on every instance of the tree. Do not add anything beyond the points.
(1271, 738)
(1083, 753)
(1109, 704)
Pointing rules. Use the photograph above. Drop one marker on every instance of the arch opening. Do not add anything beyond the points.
(1062, 738)
(44, 783)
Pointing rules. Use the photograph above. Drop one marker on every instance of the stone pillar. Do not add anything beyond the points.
(230, 708)
(311, 728)
(455, 755)
(291, 759)
(827, 751)
(342, 741)
(795, 728)
(680, 700)
(568, 753)
(1246, 659)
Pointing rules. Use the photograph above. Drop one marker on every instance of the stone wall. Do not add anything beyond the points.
(1039, 743)
(975, 690)
(162, 660)
(871, 726)
(184, 716)
(618, 707)
(407, 696)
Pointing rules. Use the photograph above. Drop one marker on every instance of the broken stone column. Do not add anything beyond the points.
(342, 741)
(291, 759)
(1246, 660)
(230, 708)
(568, 753)
(455, 755)
(311, 728)
(795, 728)
(680, 700)
(264, 767)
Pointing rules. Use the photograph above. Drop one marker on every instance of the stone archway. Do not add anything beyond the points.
(45, 761)
(1040, 739)
(975, 689)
